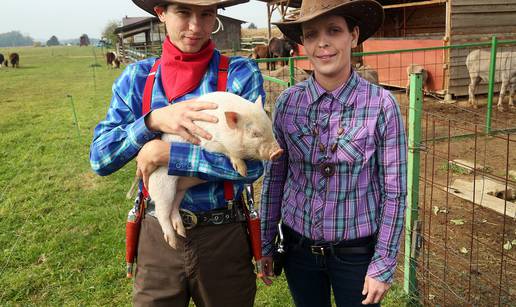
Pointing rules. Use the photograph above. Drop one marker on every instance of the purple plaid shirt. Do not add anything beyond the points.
(344, 172)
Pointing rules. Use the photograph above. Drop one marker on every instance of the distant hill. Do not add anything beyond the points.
(15, 39)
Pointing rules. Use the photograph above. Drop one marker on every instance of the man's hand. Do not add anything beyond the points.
(375, 290)
(267, 270)
(153, 154)
(178, 119)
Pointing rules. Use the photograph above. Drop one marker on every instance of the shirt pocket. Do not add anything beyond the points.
(300, 142)
(351, 146)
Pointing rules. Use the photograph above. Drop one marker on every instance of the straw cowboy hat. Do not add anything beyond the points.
(368, 14)
(148, 5)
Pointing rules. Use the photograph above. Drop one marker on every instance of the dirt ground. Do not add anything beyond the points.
(463, 260)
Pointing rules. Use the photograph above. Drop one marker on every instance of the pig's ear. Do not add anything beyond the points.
(259, 102)
(232, 119)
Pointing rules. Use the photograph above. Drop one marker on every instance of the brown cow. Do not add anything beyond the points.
(14, 58)
(282, 48)
(1, 59)
(262, 52)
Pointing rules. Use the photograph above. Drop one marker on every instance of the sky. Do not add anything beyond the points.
(68, 19)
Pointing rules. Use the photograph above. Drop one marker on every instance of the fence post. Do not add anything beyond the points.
(291, 71)
(490, 91)
(411, 219)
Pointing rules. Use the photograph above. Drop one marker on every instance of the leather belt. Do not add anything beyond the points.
(360, 246)
(213, 217)
(231, 214)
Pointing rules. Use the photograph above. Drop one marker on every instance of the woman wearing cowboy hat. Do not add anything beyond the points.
(339, 190)
(213, 264)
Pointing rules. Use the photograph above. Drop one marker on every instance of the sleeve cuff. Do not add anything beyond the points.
(184, 159)
(139, 134)
(382, 269)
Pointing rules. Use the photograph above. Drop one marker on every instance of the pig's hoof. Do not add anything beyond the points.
(240, 167)
(500, 108)
(177, 223)
(171, 239)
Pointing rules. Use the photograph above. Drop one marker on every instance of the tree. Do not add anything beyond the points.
(53, 41)
(84, 40)
(109, 32)
(14, 39)
(252, 26)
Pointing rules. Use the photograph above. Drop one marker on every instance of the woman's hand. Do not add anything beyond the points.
(178, 119)
(153, 154)
(375, 290)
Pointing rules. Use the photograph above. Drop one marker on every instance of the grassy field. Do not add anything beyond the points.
(61, 226)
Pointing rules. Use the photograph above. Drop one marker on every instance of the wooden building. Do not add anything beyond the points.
(141, 37)
(413, 24)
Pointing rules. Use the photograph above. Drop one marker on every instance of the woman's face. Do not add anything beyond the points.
(188, 26)
(328, 42)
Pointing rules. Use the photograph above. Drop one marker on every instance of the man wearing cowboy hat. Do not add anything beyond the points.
(212, 265)
(340, 188)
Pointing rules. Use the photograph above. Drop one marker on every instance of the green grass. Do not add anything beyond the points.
(61, 226)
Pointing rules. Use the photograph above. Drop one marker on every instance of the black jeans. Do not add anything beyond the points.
(310, 277)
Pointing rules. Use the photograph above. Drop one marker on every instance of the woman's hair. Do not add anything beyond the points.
(351, 22)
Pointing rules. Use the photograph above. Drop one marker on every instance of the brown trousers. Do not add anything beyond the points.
(212, 265)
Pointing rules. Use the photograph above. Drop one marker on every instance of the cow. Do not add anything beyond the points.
(368, 73)
(112, 59)
(478, 62)
(14, 58)
(414, 69)
(262, 52)
(281, 48)
(1, 59)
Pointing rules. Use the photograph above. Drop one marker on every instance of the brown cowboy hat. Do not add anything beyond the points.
(148, 5)
(368, 14)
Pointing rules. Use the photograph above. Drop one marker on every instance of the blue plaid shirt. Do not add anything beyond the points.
(118, 138)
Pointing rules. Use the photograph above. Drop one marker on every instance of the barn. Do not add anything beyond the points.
(411, 24)
(140, 37)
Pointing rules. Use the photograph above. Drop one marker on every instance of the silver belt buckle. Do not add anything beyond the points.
(189, 218)
(317, 250)
(217, 218)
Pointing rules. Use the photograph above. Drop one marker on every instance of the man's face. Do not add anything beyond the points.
(328, 42)
(188, 26)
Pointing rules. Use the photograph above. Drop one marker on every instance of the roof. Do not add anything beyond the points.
(134, 23)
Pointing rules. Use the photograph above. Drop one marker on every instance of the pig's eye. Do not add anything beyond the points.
(256, 134)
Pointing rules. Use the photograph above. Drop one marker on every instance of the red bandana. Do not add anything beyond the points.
(182, 72)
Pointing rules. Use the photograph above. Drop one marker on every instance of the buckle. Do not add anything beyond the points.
(217, 218)
(317, 250)
(189, 218)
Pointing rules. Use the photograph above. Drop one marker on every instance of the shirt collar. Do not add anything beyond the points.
(342, 94)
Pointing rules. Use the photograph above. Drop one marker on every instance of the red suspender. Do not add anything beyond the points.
(149, 84)
(221, 87)
(223, 73)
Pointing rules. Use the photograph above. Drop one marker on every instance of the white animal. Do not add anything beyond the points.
(478, 62)
(243, 132)
(414, 69)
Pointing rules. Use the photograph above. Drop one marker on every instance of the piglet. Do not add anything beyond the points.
(243, 131)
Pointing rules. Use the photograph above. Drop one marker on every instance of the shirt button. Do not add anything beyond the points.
(327, 169)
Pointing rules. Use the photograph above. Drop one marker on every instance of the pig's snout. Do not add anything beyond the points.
(275, 154)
